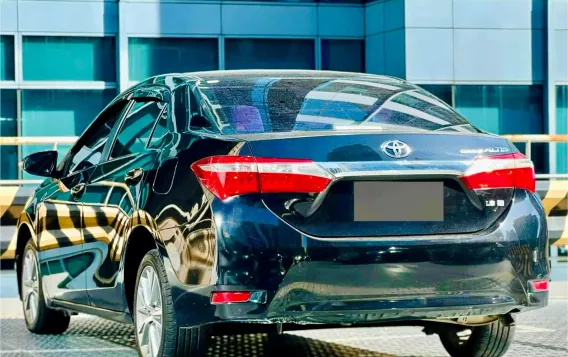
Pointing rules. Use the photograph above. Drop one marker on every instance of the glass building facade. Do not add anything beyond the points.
(487, 59)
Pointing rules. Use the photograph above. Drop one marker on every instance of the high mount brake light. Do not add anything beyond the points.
(228, 176)
(500, 171)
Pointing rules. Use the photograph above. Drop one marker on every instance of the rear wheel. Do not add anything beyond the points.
(157, 333)
(39, 318)
(491, 340)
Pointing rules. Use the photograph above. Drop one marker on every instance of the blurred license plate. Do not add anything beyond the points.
(388, 201)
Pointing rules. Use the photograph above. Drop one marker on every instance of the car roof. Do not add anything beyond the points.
(255, 74)
(248, 75)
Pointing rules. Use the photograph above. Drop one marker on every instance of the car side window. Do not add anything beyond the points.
(180, 111)
(136, 128)
(89, 154)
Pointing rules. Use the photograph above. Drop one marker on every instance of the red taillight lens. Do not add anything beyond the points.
(227, 176)
(501, 171)
(538, 285)
(231, 297)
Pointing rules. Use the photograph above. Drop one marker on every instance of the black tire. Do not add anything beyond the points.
(491, 340)
(190, 342)
(47, 321)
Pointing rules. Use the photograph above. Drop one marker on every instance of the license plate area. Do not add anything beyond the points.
(390, 201)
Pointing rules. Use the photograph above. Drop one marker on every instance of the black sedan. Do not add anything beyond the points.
(261, 200)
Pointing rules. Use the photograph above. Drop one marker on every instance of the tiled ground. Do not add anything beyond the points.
(539, 333)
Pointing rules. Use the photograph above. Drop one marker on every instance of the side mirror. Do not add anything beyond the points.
(41, 163)
(198, 122)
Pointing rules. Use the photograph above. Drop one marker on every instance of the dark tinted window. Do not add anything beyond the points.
(89, 154)
(343, 55)
(136, 128)
(186, 106)
(180, 101)
(267, 104)
(246, 53)
(151, 56)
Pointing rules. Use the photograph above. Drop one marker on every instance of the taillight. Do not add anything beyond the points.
(235, 297)
(230, 297)
(538, 285)
(227, 176)
(501, 171)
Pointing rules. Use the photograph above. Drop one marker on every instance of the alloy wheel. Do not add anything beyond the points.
(149, 313)
(30, 287)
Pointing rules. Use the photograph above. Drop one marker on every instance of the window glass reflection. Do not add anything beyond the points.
(136, 128)
(152, 56)
(69, 58)
(269, 54)
(343, 55)
(8, 127)
(59, 113)
(285, 104)
(7, 58)
(506, 109)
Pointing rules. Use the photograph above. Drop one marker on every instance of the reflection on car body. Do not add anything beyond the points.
(260, 197)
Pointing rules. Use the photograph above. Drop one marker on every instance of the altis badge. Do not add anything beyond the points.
(493, 150)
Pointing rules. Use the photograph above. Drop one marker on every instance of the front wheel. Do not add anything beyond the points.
(157, 333)
(39, 318)
(492, 340)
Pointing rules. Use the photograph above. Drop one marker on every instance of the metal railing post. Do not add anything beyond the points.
(528, 149)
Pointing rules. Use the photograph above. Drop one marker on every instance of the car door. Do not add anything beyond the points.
(115, 188)
(60, 214)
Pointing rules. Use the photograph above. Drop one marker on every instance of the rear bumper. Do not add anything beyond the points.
(314, 280)
(320, 292)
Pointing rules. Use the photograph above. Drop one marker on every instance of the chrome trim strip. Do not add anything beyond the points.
(408, 172)
(396, 167)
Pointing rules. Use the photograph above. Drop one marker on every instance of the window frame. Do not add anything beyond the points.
(106, 157)
(165, 108)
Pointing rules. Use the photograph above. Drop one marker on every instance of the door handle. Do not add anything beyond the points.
(134, 176)
(78, 190)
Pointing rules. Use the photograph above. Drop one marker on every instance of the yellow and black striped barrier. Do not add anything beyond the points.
(13, 199)
(554, 195)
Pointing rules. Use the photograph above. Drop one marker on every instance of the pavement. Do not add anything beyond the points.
(541, 332)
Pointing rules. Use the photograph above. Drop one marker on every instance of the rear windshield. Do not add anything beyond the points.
(266, 105)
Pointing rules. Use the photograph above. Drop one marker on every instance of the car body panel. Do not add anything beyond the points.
(314, 274)
(60, 239)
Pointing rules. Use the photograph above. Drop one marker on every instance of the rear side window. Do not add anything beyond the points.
(136, 128)
(186, 106)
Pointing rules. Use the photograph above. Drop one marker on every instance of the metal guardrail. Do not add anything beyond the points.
(527, 139)
(33, 140)
(38, 140)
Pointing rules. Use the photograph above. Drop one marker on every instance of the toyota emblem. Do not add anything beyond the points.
(396, 149)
